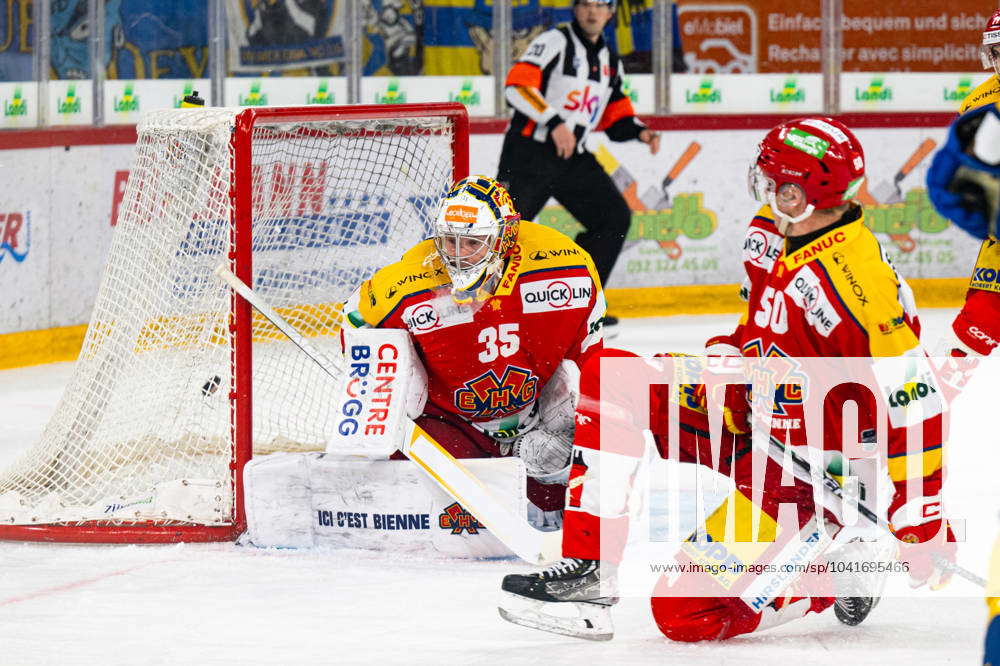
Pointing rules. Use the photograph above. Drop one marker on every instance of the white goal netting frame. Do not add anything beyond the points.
(179, 382)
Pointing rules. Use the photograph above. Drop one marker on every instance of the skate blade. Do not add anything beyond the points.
(576, 619)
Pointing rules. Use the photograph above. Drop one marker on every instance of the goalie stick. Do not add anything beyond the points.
(833, 495)
(451, 475)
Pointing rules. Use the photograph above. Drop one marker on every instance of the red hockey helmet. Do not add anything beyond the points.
(818, 154)
(989, 52)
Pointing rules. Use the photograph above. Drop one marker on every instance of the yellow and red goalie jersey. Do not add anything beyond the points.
(487, 360)
(839, 296)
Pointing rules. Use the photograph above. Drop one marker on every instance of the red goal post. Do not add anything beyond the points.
(179, 383)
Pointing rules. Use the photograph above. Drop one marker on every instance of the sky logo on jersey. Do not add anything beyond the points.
(556, 295)
(583, 100)
(491, 397)
(457, 519)
(15, 236)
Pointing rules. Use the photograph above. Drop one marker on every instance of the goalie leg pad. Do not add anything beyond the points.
(312, 499)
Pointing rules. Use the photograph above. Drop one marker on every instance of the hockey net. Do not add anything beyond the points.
(150, 437)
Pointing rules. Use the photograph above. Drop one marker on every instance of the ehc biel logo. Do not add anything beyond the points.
(457, 519)
(15, 235)
(490, 396)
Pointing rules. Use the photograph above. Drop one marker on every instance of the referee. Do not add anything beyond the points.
(566, 84)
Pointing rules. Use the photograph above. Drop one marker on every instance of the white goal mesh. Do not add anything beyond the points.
(144, 431)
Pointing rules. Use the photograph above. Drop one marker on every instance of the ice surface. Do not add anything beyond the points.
(224, 604)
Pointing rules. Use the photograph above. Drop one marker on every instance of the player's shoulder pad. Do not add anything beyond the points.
(544, 248)
(418, 270)
(868, 286)
(987, 92)
(764, 218)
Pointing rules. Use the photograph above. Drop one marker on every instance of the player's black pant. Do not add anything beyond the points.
(532, 172)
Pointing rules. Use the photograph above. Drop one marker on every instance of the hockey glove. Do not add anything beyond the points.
(963, 186)
(928, 547)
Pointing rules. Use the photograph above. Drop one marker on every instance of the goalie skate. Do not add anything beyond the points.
(567, 598)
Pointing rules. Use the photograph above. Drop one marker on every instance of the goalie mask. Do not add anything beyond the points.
(476, 230)
(818, 155)
(989, 51)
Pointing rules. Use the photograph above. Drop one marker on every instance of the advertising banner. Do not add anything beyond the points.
(55, 229)
(761, 93)
(907, 91)
(720, 36)
(70, 102)
(284, 35)
(690, 209)
(19, 102)
(126, 101)
(690, 205)
(476, 92)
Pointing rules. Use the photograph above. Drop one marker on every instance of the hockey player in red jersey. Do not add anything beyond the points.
(830, 291)
(964, 183)
(976, 329)
(494, 306)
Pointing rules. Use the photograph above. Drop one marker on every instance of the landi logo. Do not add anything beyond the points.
(68, 104)
(960, 93)
(188, 90)
(876, 91)
(16, 106)
(15, 236)
(392, 94)
(628, 90)
(322, 94)
(128, 101)
(254, 97)
(467, 95)
(790, 92)
(706, 93)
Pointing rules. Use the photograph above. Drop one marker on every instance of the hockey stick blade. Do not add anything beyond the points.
(454, 478)
(576, 619)
(805, 471)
